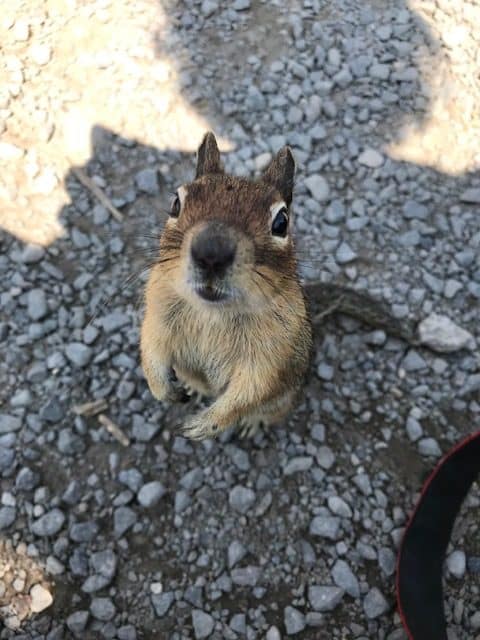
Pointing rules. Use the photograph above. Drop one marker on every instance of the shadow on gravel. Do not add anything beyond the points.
(81, 272)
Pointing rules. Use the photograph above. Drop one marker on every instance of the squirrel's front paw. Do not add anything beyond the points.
(167, 388)
(200, 426)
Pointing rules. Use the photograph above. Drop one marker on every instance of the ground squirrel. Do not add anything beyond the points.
(225, 314)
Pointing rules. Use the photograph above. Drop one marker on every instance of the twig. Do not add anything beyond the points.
(114, 430)
(97, 192)
(329, 310)
(90, 408)
(361, 306)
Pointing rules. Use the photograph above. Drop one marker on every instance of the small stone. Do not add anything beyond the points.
(375, 604)
(318, 187)
(123, 519)
(193, 480)
(457, 564)
(41, 598)
(49, 524)
(7, 517)
(52, 411)
(415, 210)
(246, 576)
(325, 527)
(339, 507)
(127, 632)
(32, 253)
(241, 5)
(442, 335)
(325, 457)
(77, 622)
(78, 354)
(294, 621)
(387, 561)
(208, 7)
(429, 447)
(345, 254)
(273, 634)
(413, 361)
(238, 623)
(83, 531)
(203, 624)
(9, 423)
(236, 551)
(162, 603)
(147, 181)
(241, 498)
(324, 598)
(26, 479)
(414, 429)
(344, 578)
(102, 609)
(151, 493)
(371, 158)
(300, 463)
(471, 196)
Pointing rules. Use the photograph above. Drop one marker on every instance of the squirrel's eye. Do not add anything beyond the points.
(175, 209)
(280, 223)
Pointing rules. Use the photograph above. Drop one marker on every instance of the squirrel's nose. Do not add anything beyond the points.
(213, 251)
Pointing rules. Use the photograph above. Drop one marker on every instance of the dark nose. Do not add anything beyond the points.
(213, 250)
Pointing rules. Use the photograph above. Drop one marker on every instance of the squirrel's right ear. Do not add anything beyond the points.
(281, 173)
(208, 156)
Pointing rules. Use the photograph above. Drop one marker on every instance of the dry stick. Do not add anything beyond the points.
(361, 306)
(90, 408)
(114, 430)
(97, 192)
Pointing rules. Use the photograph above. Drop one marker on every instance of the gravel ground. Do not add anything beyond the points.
(143, 534)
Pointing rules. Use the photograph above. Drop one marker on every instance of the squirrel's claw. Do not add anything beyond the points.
(199, 427)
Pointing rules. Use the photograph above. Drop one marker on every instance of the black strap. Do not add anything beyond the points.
(420, 560)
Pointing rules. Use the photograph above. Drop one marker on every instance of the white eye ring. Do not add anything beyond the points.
(177, 204)
(280, 221)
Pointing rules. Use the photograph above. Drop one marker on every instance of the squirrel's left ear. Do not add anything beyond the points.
(208, 156)
(281, 173)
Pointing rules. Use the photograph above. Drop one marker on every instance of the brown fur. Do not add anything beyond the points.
(251, 351)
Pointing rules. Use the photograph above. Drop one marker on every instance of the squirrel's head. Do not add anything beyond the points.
(227, 241)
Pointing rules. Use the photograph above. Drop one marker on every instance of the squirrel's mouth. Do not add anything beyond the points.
(211, 294)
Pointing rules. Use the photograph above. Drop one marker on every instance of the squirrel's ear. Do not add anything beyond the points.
(281, 173)
(208, 156)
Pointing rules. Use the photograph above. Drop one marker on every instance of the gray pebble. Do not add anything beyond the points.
(123, 519)
(429, 447)
(102, 609)
(78, 354)
(457, 564)
(147, 181)
(203, 624)
(318, 187)
(9, 423)
(294, 621)
(77, 622)
(375, 604)
(371, 158)
(295, 465)
(162, 603)
(49, 524)
(325, 527)
(7, 517)
(344, 578)
(324, 598)
(37, 304)
(241, 498)
(151, 493)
